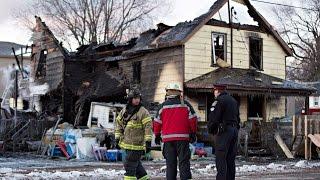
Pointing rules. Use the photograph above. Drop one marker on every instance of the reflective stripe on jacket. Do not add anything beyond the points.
(136, 132)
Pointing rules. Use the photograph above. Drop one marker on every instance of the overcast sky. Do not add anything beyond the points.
(181, 10)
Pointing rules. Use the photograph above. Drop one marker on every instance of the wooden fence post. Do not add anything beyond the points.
(306, 137)
(293, 126)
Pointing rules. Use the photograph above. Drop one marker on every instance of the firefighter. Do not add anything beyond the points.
(133, 134)
(176, 121)
(224, 123)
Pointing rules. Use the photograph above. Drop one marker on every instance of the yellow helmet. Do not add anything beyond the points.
(174, 86)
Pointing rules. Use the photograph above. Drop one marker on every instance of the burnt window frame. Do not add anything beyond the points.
(214, 60)
(42, 64)
(250, 57)
(136, 71)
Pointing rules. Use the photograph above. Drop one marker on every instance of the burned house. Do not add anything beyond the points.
(191, 53)
(198, 54)
(65, 83)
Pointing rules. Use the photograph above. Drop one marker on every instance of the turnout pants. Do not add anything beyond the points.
(133, 166)
(172, 150)
(226, 151)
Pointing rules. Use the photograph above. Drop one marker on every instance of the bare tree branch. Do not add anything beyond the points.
(86, 21)
(301, 29)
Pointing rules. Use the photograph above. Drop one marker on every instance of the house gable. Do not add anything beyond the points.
(200, 59)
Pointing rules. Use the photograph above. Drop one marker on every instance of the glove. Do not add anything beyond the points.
(117, 144)
(148, 147)
(158, 139)
(193, 137)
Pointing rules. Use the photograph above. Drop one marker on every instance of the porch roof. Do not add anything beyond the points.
(247, 81)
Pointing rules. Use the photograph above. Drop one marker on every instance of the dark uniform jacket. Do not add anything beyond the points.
(225, 111)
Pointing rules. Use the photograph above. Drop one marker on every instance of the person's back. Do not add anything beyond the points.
(230, 107)
(177, 122)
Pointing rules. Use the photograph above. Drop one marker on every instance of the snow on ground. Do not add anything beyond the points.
(37, 175)
(39, 168)
(272, 167)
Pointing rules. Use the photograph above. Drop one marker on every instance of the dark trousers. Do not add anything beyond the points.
(172, 150)
(226, 151)
(133, 165)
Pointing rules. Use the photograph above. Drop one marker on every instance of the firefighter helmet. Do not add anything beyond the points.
(134, 93)
(174, 86)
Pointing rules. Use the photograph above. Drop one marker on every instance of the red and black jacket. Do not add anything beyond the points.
(175, 120)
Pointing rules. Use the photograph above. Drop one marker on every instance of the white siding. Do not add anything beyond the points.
(198, 52)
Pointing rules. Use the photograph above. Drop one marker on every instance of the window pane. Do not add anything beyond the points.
(316, 101)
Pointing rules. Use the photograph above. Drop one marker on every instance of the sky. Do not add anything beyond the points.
(181, 10)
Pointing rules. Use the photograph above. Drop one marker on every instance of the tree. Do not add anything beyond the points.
(101, 21)
(301, 29)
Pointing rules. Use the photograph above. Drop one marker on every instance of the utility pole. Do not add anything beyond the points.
(231, 31)
(16, 98)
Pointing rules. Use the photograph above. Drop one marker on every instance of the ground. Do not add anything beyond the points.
(26, 166)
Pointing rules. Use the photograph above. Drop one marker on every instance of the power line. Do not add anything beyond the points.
(286, 5)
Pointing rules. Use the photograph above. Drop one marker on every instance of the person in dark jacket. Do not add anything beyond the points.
(176, 121)
(224, 123)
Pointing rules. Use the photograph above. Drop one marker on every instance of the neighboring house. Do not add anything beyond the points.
(7, 60)
(296, 105)
(314, 99)
(189, 53)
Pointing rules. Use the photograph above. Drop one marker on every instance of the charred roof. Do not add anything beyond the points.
(168, 36)
(249, 80)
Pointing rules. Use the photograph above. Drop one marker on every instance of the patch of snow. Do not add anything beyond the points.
(276, 166)
(163, 169)
(6, 170)
(210, 166)
(302, 164)
(105, 174)
(207, 170)
(306, 164)
(251, 168)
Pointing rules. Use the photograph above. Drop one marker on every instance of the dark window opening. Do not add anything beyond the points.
(255, 106)
(255, 45)
(111, 116)
(113, 64)
(41, 69)
(137, 72)
(219, 47)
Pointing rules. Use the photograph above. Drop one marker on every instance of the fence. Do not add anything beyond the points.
(302, 126)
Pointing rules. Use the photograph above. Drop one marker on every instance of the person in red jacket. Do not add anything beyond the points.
(176, 121)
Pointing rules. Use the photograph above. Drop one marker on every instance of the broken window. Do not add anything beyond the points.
(41, 69)
(219, 47)
(255, 54)
(137, 72)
